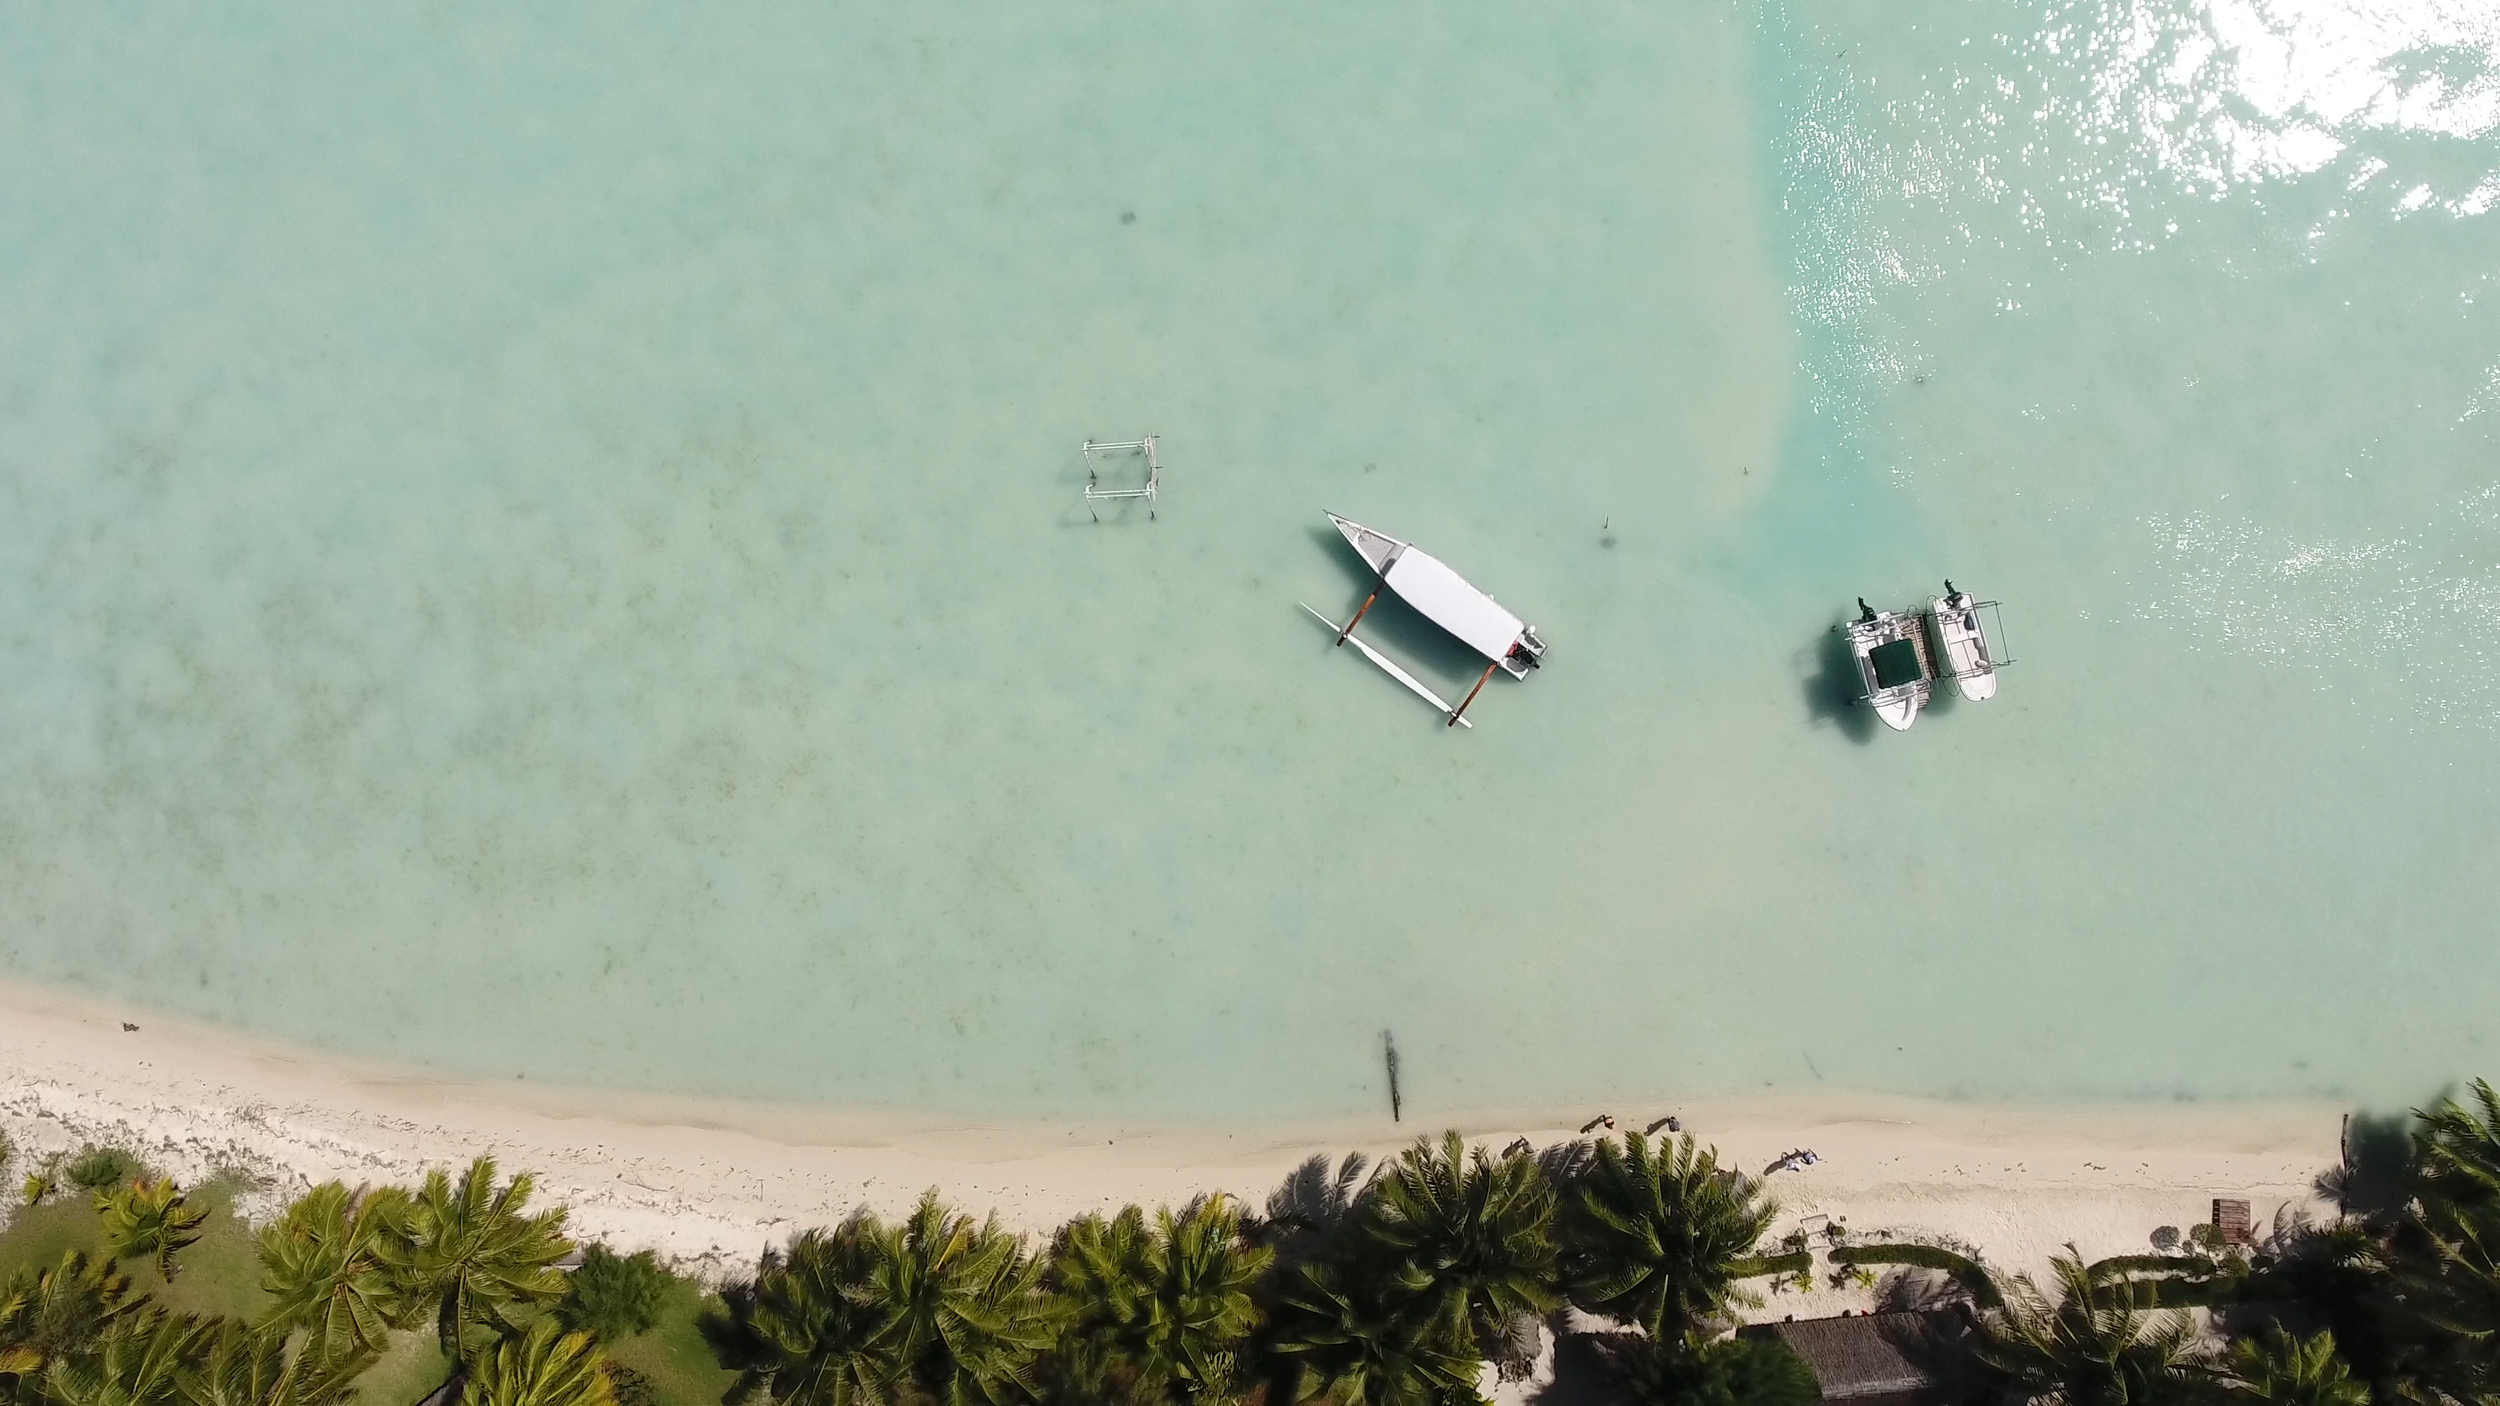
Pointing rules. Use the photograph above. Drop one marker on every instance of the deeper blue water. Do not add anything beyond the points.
(549, 543)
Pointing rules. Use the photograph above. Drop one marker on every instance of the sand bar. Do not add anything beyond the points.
(710, 1182)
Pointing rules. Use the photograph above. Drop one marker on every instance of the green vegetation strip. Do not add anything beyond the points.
(103, 1293)
(1965, 1271)
(2192, 1266)
(1795, 1262)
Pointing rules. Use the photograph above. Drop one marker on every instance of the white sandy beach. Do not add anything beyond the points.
(710, 1183)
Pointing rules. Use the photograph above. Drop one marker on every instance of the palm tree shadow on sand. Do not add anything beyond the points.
(1585, 1370)
(1313, 1203)
(2374, 1178)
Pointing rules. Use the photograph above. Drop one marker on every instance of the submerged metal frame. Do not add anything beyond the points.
(1096, 493)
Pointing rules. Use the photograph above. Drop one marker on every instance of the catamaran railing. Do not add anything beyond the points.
(1993, 632)
(1096, 493)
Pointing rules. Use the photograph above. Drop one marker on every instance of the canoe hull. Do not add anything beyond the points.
(1446, 598)
(1896, 701)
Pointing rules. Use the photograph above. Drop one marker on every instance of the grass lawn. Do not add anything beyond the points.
(403, 1376)
(673, 1354)
(40, 1235)
(219, 1275)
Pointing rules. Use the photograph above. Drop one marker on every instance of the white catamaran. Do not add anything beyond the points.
(1962, 643)
(1443, 597)
(1892, 664)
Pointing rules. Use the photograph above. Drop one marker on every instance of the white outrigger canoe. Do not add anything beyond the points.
(1892, 664)
(1962, 643)
(1447, 600)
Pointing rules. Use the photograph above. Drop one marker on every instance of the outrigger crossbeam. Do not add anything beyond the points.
(1096, 493)
(1345, 635)
(1486, 677)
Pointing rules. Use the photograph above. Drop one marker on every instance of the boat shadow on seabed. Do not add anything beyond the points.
(1831, 689)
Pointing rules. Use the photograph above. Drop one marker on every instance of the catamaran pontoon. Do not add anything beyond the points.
(1443, 597)
(1892, 664)
(1962, 647)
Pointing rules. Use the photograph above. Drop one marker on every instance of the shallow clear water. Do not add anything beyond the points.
(551, 544)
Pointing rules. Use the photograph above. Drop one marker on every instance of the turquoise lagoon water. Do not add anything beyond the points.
(549, 544)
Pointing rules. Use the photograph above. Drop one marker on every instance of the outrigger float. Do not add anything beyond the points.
(1899, 661)
(1447, 600)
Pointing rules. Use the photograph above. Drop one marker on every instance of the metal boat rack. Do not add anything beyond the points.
(1096, 493)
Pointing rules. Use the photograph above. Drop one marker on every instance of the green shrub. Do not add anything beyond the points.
(2218, 1292)
(632, 1388)
(1790, 1263)
(1965, 1272)
(95, 1168)
(612, 1297)
(1747, 1371)
(2196, 1265)
(148, 1220)
(1762, 1372)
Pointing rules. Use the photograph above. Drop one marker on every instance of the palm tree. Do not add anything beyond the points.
(150, 1219)
(545, 1366)
(1481, 1230)
(2456, 1150)
(2443, 1256)
(139, 1360)
(2099, 1345)
(1102, 1273)
(2445, 1263)
(240, 1365)
(1373, 1334)
(473, 1251)
(2277, 1367)
(1658, 1236)
(52, 1314)
(816, 1328)
(1172, 1304)
(329, 1267)
(970, 1312)
(2340, 1273)
(1306, 1212)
